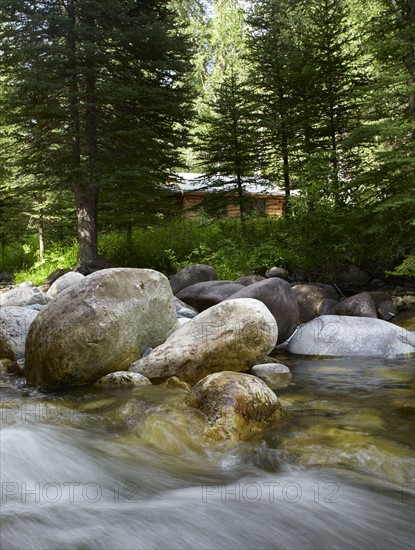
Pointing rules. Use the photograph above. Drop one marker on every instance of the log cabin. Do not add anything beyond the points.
(197, 197)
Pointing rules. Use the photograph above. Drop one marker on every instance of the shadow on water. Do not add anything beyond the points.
(100, 468)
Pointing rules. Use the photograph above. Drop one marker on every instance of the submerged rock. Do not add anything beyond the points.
(342, 336)
(235, 405)
(231, 336)
(123, 378)
(99, 326)
(275, 375)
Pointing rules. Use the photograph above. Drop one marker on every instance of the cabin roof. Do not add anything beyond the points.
(199, 183)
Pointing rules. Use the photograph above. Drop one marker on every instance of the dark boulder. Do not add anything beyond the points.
(204, 295)
(190, 275)
(280, 299)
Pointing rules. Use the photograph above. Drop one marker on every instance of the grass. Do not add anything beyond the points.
(321, 248)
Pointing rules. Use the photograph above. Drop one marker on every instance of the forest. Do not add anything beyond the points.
(104, 103)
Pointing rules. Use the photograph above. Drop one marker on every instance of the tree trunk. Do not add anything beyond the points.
(287, 183)
(86, 190)
(86, 199)
(41, 237)
(241, 202)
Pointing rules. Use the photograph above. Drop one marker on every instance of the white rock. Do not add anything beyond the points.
(22, 296)
(66, 281)
(338, 336)
(14, 325)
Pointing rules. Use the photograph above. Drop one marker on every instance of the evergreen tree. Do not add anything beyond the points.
(272, 47)
(227, 141)
(96, 91)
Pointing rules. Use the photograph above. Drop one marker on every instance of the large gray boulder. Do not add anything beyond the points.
(234, 405)
(15, 322)
(231, 336)
(342, 336)
(192, 274)
(280, 299)
(202, 296)
(63, 282)
(359, 305)
(99, 326)
(22, 296)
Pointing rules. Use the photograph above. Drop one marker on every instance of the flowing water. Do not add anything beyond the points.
(128, 469)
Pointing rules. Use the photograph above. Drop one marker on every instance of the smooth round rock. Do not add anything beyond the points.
(232, 335)
(275, 375)
(123, 378)
(65, 281)
(235, 405)
(280, 299)
(204, 295)
(99, 326)
(359, 305)
(192, 274)
(279, 272)
(341, 336)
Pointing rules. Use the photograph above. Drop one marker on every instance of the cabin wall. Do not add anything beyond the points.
(271, 206)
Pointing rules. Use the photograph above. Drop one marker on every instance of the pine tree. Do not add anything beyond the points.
(96, 90)
(272, 47)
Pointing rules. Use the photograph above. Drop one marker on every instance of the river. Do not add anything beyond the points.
(128, 469)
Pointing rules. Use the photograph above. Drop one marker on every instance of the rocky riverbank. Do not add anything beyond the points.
(126, 327)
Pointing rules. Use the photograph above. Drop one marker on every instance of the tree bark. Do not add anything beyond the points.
(41, 237)
(241, 202)
(86, 199)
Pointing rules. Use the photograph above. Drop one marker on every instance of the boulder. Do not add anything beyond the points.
(387, 310)
(65, 281)
(178, 304)
(99, 326)
(6, 277)
(123, 378)
(247, 280)
(359, 305)
(326, 307)
(341, 336)
(54, 276)
(175, 383)
(230, 336)
(192, 274)
(7, 366)
(279, 272)
(309, 298)
(280, 299)
(202, 296)
(379, 296)
(14, 326)
(22, 296)
(235, 405)
(275, 375)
